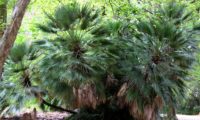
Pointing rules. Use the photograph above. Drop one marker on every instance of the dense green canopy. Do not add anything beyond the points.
(135, 58)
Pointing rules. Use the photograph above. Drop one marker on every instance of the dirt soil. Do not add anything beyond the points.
(51, 116)
(39, 116)
(62, 116)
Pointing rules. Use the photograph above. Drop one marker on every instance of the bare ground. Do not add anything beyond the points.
(62, 116)
(51, 116)
(188, 117)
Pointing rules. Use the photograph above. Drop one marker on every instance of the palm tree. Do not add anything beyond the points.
(16, 80)
(76, 56)
(165, 52)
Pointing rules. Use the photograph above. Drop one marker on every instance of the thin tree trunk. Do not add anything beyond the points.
(11, 31)
(3, 17)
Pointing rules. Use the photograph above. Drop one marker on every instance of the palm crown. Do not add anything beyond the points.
(78, 55)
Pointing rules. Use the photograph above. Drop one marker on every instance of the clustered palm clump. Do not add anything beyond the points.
(111, 70)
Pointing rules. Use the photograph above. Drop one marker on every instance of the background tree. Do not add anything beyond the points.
(11, 32)
(3, 16)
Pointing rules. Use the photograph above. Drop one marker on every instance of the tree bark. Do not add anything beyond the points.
(3, 17)
(11, 31)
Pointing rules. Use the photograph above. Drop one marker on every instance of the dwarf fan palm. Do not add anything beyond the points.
(77, 55)
(16, 80)
(164, 50)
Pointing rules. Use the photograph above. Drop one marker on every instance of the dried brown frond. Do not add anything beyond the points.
(122, 90)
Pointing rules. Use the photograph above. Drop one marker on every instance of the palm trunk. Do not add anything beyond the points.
(11, 31)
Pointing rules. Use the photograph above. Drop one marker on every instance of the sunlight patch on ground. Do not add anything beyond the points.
(188, 117)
